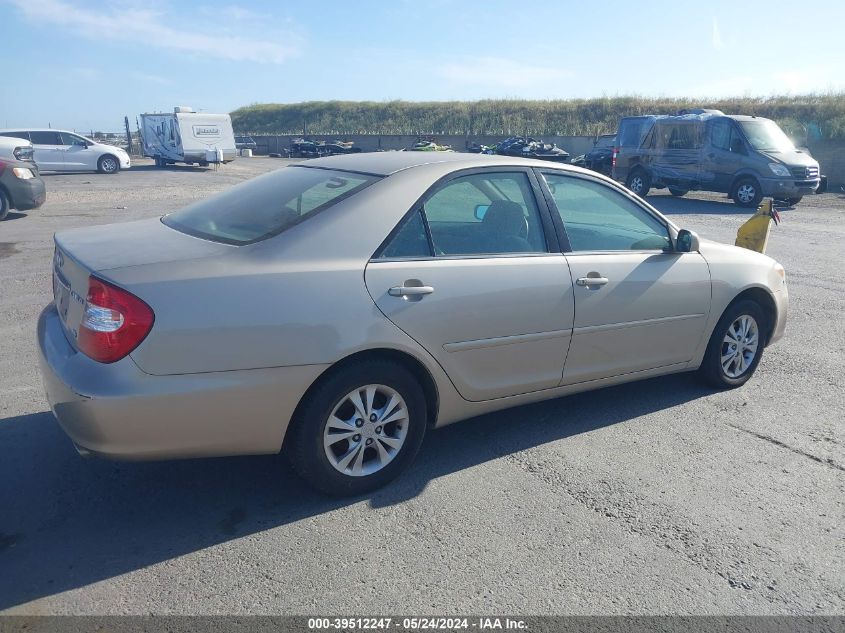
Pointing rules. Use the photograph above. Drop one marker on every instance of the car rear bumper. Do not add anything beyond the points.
(117, 411)
(25, 194)
(788, 188)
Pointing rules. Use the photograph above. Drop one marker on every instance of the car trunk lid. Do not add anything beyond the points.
(79, 253)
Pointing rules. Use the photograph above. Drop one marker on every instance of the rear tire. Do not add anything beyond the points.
(734, 352)
(678, 193)
(747, 193)
(108, 164)
(5, 205)
(639, 182)
(342, 450)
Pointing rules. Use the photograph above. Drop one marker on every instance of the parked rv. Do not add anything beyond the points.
(746, 157)
(188, 137)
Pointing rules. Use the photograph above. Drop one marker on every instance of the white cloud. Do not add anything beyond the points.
(153, 79)
(718, 42)
(503, 73)
(141, 25)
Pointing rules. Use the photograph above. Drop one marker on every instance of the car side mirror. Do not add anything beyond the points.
(481, 211)
(687, 242)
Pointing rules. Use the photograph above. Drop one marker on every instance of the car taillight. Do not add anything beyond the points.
(114, 322)
(613, 157)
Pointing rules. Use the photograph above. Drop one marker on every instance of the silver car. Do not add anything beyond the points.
(339, 308)
(61, 150)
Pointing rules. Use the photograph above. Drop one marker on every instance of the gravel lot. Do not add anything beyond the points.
(651, 498)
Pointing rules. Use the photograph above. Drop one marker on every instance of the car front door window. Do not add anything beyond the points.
(598, 218)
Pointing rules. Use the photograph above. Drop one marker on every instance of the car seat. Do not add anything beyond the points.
(505, 228)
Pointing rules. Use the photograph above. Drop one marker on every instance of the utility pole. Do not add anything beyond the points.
(128, 134)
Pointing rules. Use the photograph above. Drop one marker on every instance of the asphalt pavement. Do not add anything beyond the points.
(657, 497)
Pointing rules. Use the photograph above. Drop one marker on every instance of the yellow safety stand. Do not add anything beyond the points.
(754, 234)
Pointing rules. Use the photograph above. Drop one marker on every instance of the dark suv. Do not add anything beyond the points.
(746, 157)
(601, 156)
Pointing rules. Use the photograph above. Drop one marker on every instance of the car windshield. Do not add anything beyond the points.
(765, 136)
(267, 205)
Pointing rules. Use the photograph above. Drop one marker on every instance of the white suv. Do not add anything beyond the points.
(60, 150)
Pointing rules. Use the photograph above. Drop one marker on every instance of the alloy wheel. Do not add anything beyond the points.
(636, 184)
(739, 346)
(746, 193)
(366, 430)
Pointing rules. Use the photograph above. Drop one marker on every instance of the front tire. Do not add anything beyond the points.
(108, 164)
(5, 205)
(747, 193)
(639, 182)
(736, 346)
(358, 429)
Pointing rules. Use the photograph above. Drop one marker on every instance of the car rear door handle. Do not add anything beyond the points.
(592, 281)
(410, 291)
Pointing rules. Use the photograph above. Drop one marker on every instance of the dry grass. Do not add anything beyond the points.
(815, 115)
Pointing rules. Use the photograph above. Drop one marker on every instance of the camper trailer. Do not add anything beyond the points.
(188, 137)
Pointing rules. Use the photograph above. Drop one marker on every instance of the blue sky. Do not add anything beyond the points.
(84, 65)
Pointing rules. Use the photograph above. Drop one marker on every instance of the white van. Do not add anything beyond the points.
(61, 150)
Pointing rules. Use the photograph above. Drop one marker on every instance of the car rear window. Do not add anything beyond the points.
(268, 205)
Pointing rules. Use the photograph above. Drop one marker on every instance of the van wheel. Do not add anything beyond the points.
(639, 183)
(5, 205)
(678, 193)
(736, 346)
(359, 428)
(108, 165)
(747, 193)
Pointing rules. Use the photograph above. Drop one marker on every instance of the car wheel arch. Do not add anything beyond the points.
(745, 173)
(408, 361)
(762, 297)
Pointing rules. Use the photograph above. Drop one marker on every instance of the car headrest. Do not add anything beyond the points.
(507, 217)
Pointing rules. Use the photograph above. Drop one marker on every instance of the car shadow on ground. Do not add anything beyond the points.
(14, 215)
(180, 168)
(66, 522)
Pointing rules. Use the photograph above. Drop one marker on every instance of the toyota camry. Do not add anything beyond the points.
(338, 309)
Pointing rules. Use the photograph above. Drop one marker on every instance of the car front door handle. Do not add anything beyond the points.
(592, 281)
(410, 291)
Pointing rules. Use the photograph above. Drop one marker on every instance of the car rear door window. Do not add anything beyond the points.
(46, 138)
(489, 213)
(267, 205)
(410, 241)
(596, 217)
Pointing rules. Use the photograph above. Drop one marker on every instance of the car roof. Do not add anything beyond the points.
(40, 129)
(386, 163)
